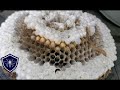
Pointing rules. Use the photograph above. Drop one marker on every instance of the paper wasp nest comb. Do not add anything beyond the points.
(61, 39)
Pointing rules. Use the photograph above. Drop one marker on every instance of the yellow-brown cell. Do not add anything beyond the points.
(42, 40)
(71, 45)
(67, 48)
(62, 45)
(37, 38)
(33, 37)
(47, 43)
(52, 45)
(57, 48)
(57, 43)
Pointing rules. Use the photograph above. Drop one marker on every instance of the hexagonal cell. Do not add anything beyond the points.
(92, 55)
(32, 58)
(72, 56)
(67, 65)
(42, 57)
(47, 59)
(32, 46)
(32, 37)
(86, 59)
(85, 54)
(23, 47)
(57, 48)
(62, 56)
(57, 53)
(89, 57)
(67, 53)
(81, 44)
(41, 45)
(38, 54)
(92, 50)
(77, 53)
(89, 46)
(81, 57)
(60, 65)
(57, 59)
(30, 49)
(73, 50)
(64, 64)
(86, 43)
(72, 62)
(24, 38)
(97, 54)
(67, 59)
(47, 53)
(81, 51)
(62, 50)
(77, 59)
(88, 52)
(56, 64)
(38, 48)
(52, 51)
(83, 62)
(42, 50)
(37, 44)
(77, 46)
(52, 62)
(41, 62)
(33, 51)
(61, 62)
(27, 39)
(52, 56)
(38, 59)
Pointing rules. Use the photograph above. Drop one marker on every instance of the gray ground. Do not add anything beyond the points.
(115, 31)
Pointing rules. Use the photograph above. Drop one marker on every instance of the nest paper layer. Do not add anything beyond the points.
(38, 23)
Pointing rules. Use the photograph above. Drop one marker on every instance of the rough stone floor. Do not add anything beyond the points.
(115, 31)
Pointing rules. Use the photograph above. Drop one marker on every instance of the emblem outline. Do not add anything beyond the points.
(12, 57)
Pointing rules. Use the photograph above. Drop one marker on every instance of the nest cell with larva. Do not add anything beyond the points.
(77, 44)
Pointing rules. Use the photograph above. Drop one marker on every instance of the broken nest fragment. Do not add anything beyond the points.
(62, 38)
